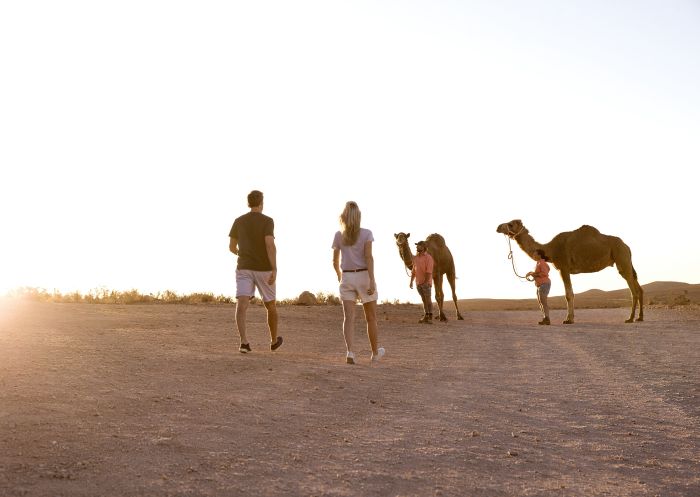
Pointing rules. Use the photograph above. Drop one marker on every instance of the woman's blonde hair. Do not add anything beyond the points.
(350, 223)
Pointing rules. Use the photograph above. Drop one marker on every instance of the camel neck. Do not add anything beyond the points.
(406, 255)
(528, 244)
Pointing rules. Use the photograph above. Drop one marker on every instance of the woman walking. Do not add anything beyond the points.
(354, 267)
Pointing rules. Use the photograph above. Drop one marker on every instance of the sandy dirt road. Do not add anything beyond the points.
(155, 400)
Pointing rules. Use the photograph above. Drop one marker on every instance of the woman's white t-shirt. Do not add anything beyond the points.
(353, 256)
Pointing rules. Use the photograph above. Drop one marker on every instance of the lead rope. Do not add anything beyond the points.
(512, 261)
(405, 267)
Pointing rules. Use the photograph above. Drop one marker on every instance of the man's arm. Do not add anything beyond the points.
(233, 245)
(429, 264)
(272, 257)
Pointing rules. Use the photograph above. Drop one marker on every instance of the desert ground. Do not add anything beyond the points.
(156, 400)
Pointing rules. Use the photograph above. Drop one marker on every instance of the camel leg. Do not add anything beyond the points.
(566, 278)
(439, 296)
(630, 276)
(451, 280)
(640, 296)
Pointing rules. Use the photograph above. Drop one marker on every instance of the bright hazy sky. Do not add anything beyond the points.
(132, 131)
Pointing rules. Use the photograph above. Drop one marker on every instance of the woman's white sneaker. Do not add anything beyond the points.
(350, 358)
(376, 357)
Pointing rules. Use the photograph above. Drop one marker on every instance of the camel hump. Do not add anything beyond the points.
(588, 229)
(437, 239)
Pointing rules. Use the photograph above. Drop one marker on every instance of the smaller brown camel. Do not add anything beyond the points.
(585, 250)
(444, 265)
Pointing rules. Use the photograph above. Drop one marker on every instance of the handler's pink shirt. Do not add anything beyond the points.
(423, 264)
(543, 268)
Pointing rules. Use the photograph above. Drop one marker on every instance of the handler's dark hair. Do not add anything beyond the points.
(255, 198)
(541, 253)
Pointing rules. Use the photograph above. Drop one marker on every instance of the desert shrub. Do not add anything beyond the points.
(681, 300)
(224, 299)
(103, 295)
(327, 298)
(34, 294)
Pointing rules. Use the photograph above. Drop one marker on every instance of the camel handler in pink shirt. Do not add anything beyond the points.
(543, 284)
(422, 273)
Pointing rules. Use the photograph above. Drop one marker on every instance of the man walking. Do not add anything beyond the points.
(252, 239)
(422, 273)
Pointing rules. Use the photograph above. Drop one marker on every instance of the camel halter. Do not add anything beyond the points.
(512, 261)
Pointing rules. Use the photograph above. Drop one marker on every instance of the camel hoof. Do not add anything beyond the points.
(630, 320)
(640, 319)
(568, 321)
(459, 316)
(443, 318)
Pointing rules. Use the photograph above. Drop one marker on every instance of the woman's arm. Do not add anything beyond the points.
(370, 267)
(336, 262)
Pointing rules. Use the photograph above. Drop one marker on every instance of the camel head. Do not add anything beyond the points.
(512, 229)
(401, 238)
(404, 248)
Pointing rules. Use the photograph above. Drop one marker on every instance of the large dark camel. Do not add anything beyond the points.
(444, 265)
(585, 250)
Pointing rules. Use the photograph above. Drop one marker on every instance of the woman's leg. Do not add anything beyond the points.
(371, 317)
(539, 301)
(545, 304)
(348, 322)
(542, 293)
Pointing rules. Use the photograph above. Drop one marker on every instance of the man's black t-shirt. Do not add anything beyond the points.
(250, 230)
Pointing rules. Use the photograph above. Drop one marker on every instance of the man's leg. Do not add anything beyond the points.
(241, 309)
(428, 303)
(271, 307)
(424, 291)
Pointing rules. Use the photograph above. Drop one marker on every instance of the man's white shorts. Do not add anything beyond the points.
(248, 280)
(355, 285)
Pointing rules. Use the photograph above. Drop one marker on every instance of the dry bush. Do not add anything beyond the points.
(106, 296)
(327, 299)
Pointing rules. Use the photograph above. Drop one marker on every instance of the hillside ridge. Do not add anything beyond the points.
(656, 293)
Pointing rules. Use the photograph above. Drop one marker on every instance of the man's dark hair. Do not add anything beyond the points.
(255, 198)
(541, 253)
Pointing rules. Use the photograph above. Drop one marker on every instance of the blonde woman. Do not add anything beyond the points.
(354, 267)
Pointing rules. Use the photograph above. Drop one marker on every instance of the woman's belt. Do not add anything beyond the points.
(354, 270)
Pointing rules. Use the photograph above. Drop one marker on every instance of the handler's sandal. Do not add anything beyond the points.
(244, 348)
(544, 321)
(380, 353)
(350, 358)
(276, 345)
